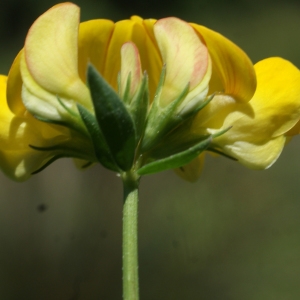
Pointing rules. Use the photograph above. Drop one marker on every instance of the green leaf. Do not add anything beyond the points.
(176, 160)
(101, 150)
(114, 120)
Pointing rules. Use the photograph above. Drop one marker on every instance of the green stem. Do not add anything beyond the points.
(130, 247)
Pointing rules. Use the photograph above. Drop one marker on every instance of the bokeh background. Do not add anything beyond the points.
(235, 234)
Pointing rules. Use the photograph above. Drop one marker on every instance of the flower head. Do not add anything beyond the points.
(144, 95)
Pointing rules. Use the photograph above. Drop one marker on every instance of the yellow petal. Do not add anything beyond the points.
(258, 127)
(256, 156)
(134, 31)
(230, 65)
(294, 131)
(277, 99)
(274, 108)
(14, 87)
(17, 159)
(93, 41)
(192, 171)
(124, 31)
(39, 101)
(185, 56)
(100, 43)
(51, 53)
(130, 66)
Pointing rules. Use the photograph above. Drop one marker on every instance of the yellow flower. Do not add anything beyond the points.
(19, 131)
(195, 77)
(260, 127)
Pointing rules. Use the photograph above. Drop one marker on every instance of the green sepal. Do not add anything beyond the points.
(176, 160)
(55, 122)
(221, 132)
(86, 165)
(161, 120)
(101, 149)
(219, 152)
(55, 158)
(64, 150)
(125, 97)
(68, 110)
(138, 107)
(201, 105)
(114, 120)
(48, 163)
(76, 125)
(57, 148)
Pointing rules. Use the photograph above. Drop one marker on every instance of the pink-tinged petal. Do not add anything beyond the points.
(231, 66)
(51, 53)
(134, 31)
(185, 56)
(130, 66)
(192, 171)
(150, 55)
(39, 101)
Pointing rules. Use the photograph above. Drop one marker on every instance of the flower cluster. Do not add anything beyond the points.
(141, 95)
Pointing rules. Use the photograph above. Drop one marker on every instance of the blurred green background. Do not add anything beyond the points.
(235, 234)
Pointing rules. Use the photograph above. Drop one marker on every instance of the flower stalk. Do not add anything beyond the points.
(130, 237)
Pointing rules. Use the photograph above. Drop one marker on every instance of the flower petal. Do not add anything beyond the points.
(17, 159)
(40, 102)
(277, 98)
(192, 171)
(274, 108)
(258, 127)
(14, 87)
(100, 43)
(51, 53)
(133, 30)
(185, 56)
(256, 156)
(93, 41)
(230, 65)
(130, 66)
